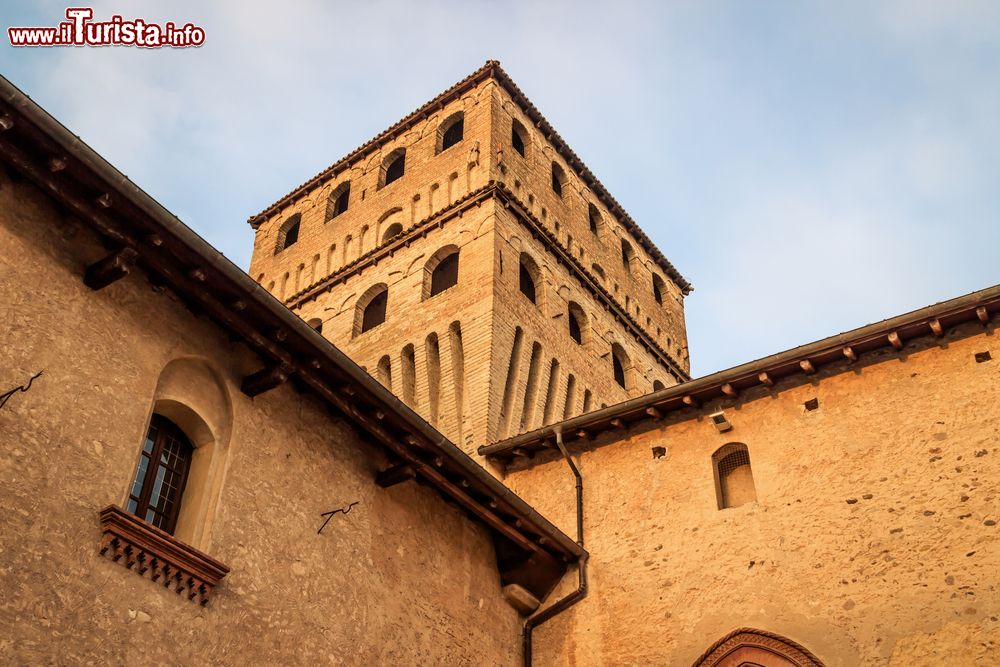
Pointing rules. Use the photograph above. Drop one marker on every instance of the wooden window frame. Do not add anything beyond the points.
(164, 428)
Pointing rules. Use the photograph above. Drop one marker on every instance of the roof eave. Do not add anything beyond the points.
(932, 321)
(490, 70)
(32, 142)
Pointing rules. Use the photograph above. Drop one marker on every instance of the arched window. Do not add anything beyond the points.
(599, 272)
(576, 321)
(518, 137)
(620, 365)
(441, 271)
(316, 324)
(658, 386)
(384, 370)
(658, 287)
(338, 200)
(595, 219)
(393, 167)
(733, 477)
(747, 646)
(450, 131)
(156, 491)
(627, 255)
(558, 179)
(393, 230)
(528, 277)
(288, 233)
(371, 308)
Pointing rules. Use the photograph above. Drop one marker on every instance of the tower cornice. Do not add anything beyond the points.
(534, 226)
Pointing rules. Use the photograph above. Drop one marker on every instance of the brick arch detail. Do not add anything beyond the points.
(786, 650)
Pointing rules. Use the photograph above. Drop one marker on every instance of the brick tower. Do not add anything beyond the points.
(470, 261)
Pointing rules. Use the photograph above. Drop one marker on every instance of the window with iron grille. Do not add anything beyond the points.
(558, 178)
(733, 476)
(338, 201)
(159, 481)
(619, 371)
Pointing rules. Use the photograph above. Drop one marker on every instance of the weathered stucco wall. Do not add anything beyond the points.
(403, 579)
(872, 542)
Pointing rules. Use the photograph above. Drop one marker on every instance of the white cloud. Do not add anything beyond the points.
(809, 168)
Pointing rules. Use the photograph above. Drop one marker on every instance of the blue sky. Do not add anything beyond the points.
(810, 167)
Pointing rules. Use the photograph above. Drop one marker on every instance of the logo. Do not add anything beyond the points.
(80, 30)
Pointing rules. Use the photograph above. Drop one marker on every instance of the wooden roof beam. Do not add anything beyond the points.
(111, 269)
(265, 379)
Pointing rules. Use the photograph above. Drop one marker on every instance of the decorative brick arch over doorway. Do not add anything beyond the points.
(746, 647)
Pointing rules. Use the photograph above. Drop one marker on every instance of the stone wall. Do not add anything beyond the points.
(433, 180)
(872, 540)
(404, 578)
(568, 215)
(450, 357)
(431, 351)
(541, 375)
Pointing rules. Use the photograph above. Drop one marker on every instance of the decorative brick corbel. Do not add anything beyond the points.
(144, 549)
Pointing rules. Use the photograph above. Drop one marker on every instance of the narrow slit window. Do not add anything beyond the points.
(595, 219)
(574, 329)
(620, 365)
(576, 321)
(527, 283)
(518, 137)
(627, 254)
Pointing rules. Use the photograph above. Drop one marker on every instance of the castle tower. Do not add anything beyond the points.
(470, 261)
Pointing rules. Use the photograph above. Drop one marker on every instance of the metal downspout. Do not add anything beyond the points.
(581, 590)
